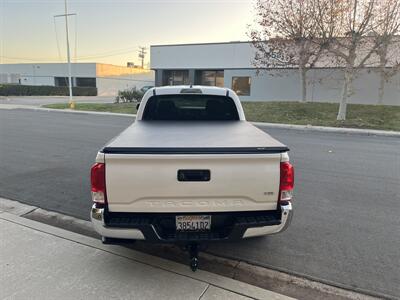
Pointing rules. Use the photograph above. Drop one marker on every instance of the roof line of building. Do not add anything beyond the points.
(64, 63)
(221, 43)
(255, 68)
(199, 44)
(49, 63)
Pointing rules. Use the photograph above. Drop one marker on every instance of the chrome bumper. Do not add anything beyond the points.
(97, 218)
(286, 218)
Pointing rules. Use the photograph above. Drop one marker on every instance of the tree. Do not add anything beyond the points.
(385, 31)
(283, 37)
(344, 30)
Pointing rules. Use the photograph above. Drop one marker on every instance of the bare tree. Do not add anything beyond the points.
(387, 26)
(282, 37)
(345, 31)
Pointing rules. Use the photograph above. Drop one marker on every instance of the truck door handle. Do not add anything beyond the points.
(194, 175)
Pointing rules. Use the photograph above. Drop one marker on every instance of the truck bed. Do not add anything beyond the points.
(142, 172)
(166, 137)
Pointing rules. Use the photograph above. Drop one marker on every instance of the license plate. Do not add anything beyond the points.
(193, 223)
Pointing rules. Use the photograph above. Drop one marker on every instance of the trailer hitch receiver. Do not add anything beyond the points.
(194, 256)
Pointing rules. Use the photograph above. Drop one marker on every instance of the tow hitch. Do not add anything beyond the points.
(194, 257)
(193, 250)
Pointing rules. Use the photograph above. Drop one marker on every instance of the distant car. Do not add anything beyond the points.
(146, 88)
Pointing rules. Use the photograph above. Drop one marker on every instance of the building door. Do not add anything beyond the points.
(175, 77)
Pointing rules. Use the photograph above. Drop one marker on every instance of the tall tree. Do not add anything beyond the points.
(344, 29)
(282, 37)
(385, 31)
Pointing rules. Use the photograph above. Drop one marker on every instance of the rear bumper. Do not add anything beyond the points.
(159, 227)
(286, 219)
(97, 218)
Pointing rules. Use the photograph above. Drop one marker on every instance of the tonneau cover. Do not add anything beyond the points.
(175, 137)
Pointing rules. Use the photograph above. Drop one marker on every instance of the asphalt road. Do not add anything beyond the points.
(346, 227)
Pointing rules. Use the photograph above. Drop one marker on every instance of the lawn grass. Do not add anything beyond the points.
(324, 114)
(122, 108)
(312, 113)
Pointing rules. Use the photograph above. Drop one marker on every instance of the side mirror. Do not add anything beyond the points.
(137, 106)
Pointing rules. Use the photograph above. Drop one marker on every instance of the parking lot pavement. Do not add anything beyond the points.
(43, 262)
(43, 100)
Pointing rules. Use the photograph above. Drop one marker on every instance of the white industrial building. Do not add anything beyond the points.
(230, 65)
(108, 79)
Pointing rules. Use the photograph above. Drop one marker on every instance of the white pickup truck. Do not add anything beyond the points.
(191, 170)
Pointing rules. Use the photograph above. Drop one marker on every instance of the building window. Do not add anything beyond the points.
(210, 77)
(241, 85)
(61, 81)
(176, 77)
(85, 82)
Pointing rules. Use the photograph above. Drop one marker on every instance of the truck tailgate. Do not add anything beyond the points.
(150, 182)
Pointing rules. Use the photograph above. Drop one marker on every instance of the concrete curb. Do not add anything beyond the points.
(85, 112)
(296, 286)
(260, 124)
(330, 129)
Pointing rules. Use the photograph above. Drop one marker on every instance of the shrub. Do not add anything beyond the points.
(129, 95)
(44, 90)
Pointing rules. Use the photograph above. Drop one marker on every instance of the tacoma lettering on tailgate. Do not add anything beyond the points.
(200, 203)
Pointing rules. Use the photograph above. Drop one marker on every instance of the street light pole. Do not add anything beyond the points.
(66, 15)
(68, 54)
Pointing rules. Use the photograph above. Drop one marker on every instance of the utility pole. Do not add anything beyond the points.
(142, 54)
(66, 15)
(34, 74)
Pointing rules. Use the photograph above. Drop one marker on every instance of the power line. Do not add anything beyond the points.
(58, 44)
(29, 58)
(109, 53)
(105, 54)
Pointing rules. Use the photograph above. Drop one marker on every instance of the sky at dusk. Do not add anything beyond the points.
(110, 31)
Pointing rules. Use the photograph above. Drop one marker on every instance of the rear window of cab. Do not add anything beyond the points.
(190, 107)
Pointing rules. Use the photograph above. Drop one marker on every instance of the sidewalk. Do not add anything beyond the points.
(38, 261)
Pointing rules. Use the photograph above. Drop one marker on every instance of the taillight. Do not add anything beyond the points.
(98, 183)
(287, 182)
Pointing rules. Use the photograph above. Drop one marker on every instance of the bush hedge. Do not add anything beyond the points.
(129, 95)
(44, 90)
